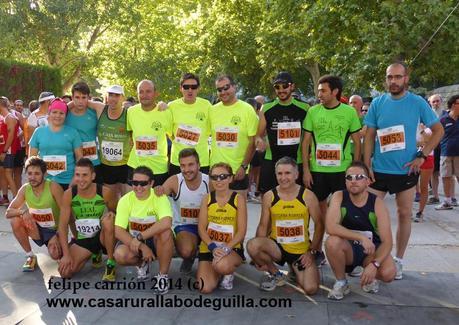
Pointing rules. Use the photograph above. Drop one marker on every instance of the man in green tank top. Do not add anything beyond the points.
(34, 213)
(87, 202)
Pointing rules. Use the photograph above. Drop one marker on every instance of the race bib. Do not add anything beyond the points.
(55, 164)
(226, 137)
(137, 225)
(112, 151)
(220, 233)
(392, 138)
(189, 213)
(288, 133)
(328, 154)
(367, 234)
(87, 228)
(90, 150)
(146, 146)
(290, 231)
(187, 135)
(44, 217)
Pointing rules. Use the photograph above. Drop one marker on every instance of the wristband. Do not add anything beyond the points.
(212, 246)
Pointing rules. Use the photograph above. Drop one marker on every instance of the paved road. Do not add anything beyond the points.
(428, 294)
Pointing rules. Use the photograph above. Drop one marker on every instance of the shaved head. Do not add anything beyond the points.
(356, 101)
(145, 81)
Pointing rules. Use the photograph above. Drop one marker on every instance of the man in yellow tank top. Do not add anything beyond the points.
(283, 232)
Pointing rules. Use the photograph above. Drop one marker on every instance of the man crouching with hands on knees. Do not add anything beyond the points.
(283, 231)
(358, 223)
(143, 227)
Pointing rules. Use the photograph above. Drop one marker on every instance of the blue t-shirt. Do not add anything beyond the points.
(450, 141)
(57, 149)
(396, 121)
(86, 125)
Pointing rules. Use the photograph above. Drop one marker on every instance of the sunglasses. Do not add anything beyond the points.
(224, 88)
(186, 87)
(282, 86)
(364, 110)
(357, 177)
(220, 177)
(137, 183)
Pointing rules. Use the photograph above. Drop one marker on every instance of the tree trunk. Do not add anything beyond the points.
(314, 71)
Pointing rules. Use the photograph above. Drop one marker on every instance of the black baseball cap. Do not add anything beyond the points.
(283, 77)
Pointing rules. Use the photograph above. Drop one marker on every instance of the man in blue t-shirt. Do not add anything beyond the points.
(449, 160)
(392, 121)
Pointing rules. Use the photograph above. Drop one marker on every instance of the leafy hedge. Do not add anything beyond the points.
(26, 81)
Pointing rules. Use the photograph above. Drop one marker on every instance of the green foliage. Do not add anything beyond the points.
(26, 81)
(106, 41)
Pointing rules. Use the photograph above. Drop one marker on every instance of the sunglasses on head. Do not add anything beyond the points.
(224, 88)
(186, 87)
(281, 86)
(357, 177)
(220, 177)
(137, 183)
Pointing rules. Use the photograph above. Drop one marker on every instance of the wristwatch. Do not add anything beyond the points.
(376, 264)
(139, 236)
(420, 154)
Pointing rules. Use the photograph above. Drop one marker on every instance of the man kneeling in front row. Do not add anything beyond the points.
(283, 231)
(358, 223)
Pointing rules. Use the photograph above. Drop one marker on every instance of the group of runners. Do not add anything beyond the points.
(104, 172)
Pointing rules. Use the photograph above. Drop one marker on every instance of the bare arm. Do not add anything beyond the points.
(33, 151)
(203, 221)
(265, 218)
(241, 222)
(162, 225)
(368, 147)
(64, 220)
(110, 199)
(16, 206)
(315, 214)
(357, 145)
(305, 145)
(170, 186)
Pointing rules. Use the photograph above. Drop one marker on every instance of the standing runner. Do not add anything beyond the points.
(392, 123)
(187, 190)
(191, 127)
(234, 126)
(57, 144)
(150, 128)
(86, 202)
(114, 142)
(282, 121)
(326, 149)
(84, 120)
(40, 218)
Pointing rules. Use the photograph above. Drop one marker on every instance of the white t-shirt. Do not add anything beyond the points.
(36, 121)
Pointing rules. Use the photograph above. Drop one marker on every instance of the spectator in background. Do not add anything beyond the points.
(449, 161)
(67, 98)
(255, 163)
(39, 117)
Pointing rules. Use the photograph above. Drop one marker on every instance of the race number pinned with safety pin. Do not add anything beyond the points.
(90, 150)
(328, 154)
(220, 233)
(290, 231)
(187, 135)
(391, 138)
(226, 137)
(288, 133)
(146, 146)
(55, 164)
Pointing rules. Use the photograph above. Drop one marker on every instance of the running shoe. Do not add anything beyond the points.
(444, 206)
(186, 266)
(433, 200)
(399, 269)
(4, 201)
(454, 202)
(269, 282)
(356, 272)
(30, 263)
(419, 217)
(226, 282)
(143, 271)
(373, 287)
(339, 290)
(96, 260)
(110, 273)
